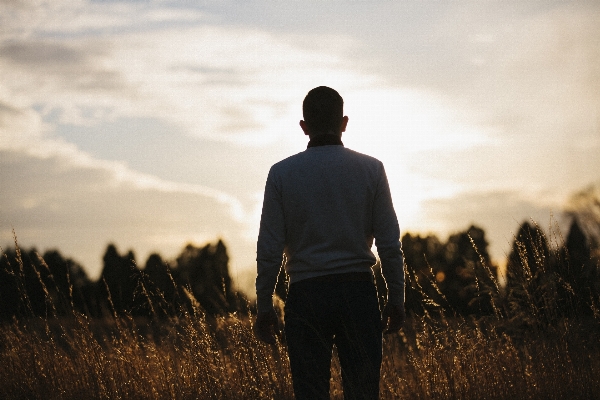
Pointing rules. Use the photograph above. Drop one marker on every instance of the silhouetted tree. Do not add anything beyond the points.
(58, 281)
(425, 270)
(119, 273)
(584, 206)
(206, 272)
(545, 285)
(12, 302)
(468, 291)
(34, 285)
(533, 281)
(456, 276)
(529, 253)
(35, 289)
(161, 288)
(579, 270)
(52, 285)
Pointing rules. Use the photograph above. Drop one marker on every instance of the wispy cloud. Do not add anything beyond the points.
(82, 17)
(54, 202)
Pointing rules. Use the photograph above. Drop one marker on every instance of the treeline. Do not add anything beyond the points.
(544, 283)
(50, 285)
(456, 277)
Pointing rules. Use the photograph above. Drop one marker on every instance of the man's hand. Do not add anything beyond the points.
(393, 318)
(266, 326)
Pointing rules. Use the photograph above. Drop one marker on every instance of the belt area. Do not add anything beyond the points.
(345, 277)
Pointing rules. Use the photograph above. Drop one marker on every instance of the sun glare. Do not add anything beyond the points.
(402, 128)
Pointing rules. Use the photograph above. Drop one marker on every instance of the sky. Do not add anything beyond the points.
(153, 124)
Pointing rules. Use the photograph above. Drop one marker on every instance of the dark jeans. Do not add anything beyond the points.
(320, 314)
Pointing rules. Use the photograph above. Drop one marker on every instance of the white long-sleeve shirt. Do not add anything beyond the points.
(323, 208)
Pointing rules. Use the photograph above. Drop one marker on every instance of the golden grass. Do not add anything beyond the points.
(188, 358)
(196, 357)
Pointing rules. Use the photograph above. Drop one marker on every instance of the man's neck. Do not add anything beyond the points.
(325, 140)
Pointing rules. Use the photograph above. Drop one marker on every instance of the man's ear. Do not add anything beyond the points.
(344, 123)
(304, 127)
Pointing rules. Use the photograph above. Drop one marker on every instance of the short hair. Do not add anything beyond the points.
(323, 110)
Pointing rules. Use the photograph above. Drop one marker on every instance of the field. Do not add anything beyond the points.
(516, 355)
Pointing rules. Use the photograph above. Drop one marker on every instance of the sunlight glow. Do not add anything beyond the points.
(401, 128)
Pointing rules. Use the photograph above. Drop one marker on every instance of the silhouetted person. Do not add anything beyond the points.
(323, 208)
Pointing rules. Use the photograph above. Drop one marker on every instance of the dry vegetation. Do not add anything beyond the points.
(197, 357)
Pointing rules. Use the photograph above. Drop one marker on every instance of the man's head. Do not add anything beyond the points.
(323, 112)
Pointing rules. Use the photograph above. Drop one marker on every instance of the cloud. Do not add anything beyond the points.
(48, 54)
(213, 82)
(52, 202)
(541, 76)
(81, 17)
(18, 141)
(19, 126)
(7, 112)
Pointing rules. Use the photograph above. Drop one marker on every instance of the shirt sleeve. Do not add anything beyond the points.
(270, 245)
(386, 232)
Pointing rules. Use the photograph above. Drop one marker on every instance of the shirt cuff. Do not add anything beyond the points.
(264, 303)
(396, 297)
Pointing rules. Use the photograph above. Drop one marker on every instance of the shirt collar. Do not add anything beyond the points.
(325, 140)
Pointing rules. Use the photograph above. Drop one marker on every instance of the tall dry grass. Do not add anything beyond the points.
(197, 357)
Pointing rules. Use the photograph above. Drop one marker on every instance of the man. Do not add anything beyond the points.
(322, 209)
